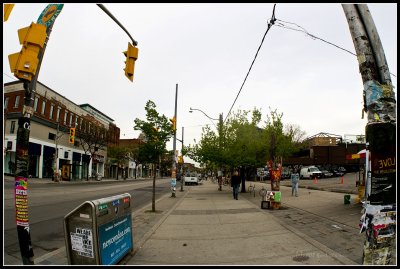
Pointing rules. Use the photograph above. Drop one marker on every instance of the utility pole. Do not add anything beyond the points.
(379, 219)
(181, 170)
(46, 18)
(173, 176)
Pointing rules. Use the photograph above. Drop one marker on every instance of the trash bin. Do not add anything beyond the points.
(347, 199)
(99, 232)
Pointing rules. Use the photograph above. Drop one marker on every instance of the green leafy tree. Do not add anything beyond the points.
(92, 138)
(157, 130)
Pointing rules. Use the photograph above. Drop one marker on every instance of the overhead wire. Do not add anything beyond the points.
(282, 25)
(271, 22)
(278, 24)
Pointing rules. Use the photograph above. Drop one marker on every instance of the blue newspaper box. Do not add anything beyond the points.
(99, 232)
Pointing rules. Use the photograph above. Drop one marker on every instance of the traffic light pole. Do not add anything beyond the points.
(181, 167)
(22, 165)
(22, 145)
(173, 172)
(379, 219)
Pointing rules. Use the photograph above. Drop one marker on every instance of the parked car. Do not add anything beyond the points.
(337, 173)
(285, 173)
(191, 178)
(326, 173)
(310, 172)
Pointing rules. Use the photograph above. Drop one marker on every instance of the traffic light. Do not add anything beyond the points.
(173, 121)
(7, 10)
(180, 159)
(25, 63)
(71, 135)
(131, 56)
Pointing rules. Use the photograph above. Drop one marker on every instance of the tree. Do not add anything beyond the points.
(118, 155)
(92, 137)
(157, 130)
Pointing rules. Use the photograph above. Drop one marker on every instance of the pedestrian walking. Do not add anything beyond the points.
(219, 177)
(295, 183)
(235, 183)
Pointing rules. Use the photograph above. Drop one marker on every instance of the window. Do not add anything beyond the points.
(80, 125)
(76, 120)
(51, 111)
(70, 120)
(52, 136)
(35, 106)
(16, 104)
(12, 128)
(43, 107)
(6, 102)
(65, 117)
(58, 114)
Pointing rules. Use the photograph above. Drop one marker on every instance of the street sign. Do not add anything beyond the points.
(49, 14)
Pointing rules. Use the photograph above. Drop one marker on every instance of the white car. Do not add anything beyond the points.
(310, 172)
(191, 178)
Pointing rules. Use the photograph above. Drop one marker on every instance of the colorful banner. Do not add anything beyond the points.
(21, 201)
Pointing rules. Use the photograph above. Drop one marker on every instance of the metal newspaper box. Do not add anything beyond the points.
(99, 231)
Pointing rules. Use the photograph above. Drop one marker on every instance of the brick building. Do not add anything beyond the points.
(53, 117)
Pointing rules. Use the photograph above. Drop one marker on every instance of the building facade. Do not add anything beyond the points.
(49, 145)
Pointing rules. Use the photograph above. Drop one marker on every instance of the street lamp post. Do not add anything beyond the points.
(220, 124)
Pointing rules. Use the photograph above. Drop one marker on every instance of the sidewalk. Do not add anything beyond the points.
(206, 226)
(209, 227)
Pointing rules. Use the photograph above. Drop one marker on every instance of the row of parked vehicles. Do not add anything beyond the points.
(312, 172)
(308, 172)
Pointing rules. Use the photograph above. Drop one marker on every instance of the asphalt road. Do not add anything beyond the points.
(49, 203)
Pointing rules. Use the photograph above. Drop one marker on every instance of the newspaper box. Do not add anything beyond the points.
(99, 232)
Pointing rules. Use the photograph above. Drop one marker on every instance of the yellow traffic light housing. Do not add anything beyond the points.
(173, 121)
(71, 135)
(25, 63)
(131, 56)
(7, 10)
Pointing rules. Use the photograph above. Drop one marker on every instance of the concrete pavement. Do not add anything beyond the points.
(206, 226)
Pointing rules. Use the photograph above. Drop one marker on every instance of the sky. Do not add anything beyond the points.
(207, 49)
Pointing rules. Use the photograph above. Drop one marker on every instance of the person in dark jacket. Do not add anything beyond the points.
(235, 183)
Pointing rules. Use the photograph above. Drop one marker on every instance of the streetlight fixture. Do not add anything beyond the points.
(219, 128)
(193, 109)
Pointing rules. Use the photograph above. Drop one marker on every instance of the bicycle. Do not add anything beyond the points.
(262, 192)
(252, 189)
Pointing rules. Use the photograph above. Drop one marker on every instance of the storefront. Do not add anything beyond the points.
(48, 160)
(76, 166)
(35, 151)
